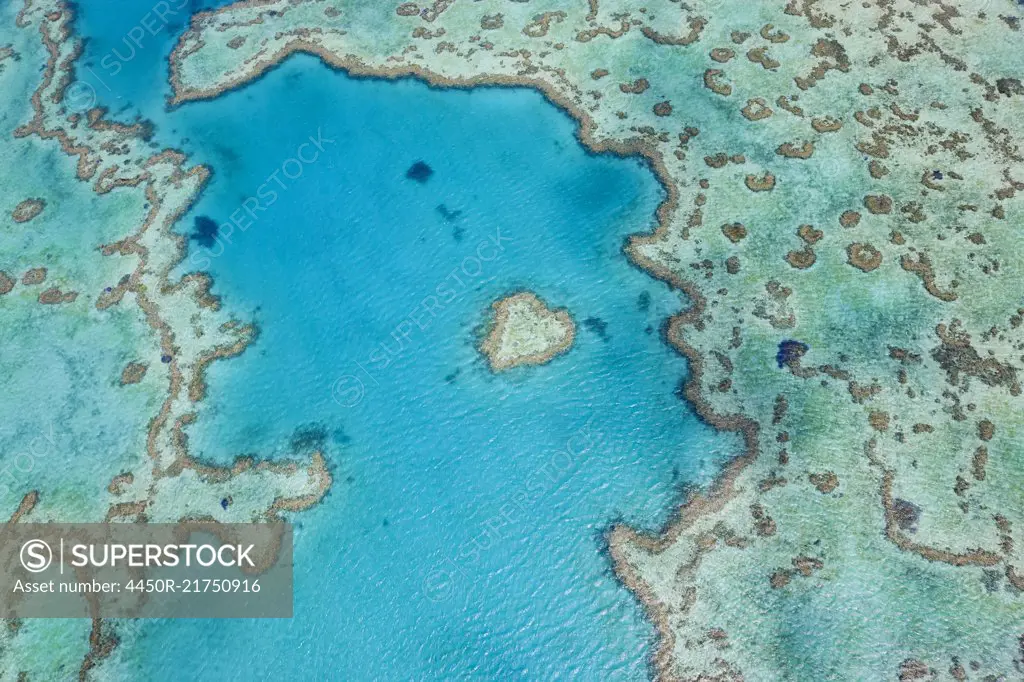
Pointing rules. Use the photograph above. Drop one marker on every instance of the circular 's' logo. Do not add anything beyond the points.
(36, 556)
(348, 391)
(439, 585)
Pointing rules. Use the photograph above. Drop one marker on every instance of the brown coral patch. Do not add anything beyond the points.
(696, 25)
(978, 463)
(879, 204)
(34, 276)
(787, 104)
(734, 232)
(6, 283)
(117, 484)
(809, 234)
(722, 54)
(864, 257)
(960, 360)
(807, 565)
(776, 37)
(779, 408)
(912, 669)
(27, 210)
(765, 183)
(712, 84)
(759, 55)
(541, 24)
(826, 124)
(662, 108)
(637, 87)
(407, 9)
(717, 161)
(879, 420)
(757, 109)
(54, 296)
(764, 525)
(922, 267)
(825, 482)
(805, 151)
(489, 22)
(849, 219)
(133, 373)
(802, 259)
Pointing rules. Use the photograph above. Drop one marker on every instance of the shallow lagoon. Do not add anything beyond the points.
(464, 533)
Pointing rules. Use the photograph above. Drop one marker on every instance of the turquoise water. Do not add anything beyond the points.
(463, 536)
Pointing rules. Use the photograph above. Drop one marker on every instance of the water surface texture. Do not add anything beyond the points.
(464, 532)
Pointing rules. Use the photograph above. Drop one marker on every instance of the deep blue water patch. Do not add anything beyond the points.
(597, 326)
(204, 231)
(419, 171)
(790, 351)
(309, 438)
(448, 214)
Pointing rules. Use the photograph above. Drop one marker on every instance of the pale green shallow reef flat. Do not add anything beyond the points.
(67, 427)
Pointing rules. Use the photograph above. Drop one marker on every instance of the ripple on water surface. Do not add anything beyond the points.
(464, 531)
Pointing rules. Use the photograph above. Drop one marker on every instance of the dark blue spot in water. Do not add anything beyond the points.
(598, 326)
(448, 214)
(224, 503)
(309, 438)
(165, 359)
(108, 290)
(936, 175)
(419, 171)
(790, 351)
(204, 231)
